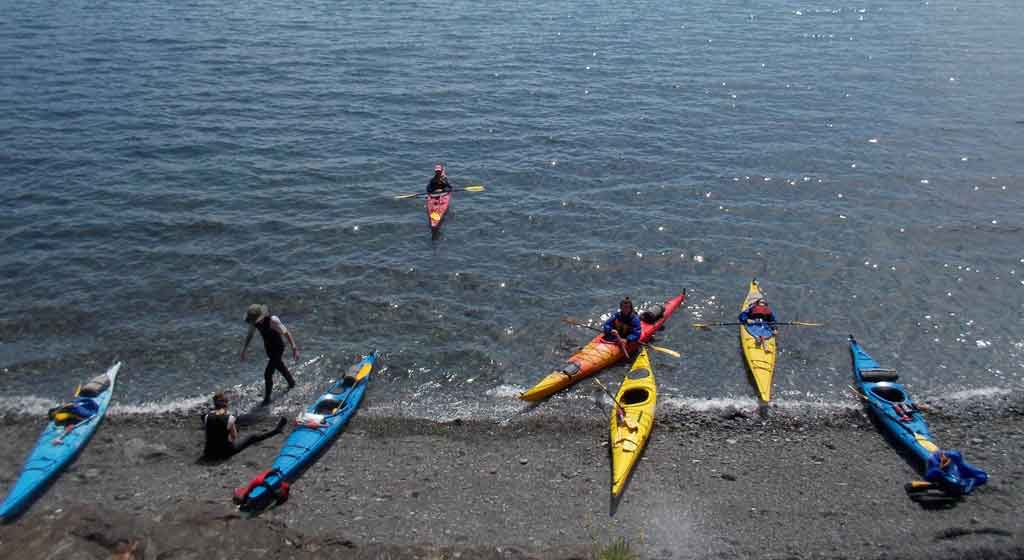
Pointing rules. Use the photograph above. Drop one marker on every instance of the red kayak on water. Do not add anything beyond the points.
(437, 207)
(439, 197)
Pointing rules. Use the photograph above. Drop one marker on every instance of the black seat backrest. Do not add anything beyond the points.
(875, 375)
(652, 314)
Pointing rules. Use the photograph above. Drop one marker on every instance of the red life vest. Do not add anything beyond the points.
(760, 311)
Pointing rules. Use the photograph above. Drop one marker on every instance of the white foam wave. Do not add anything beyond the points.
(496, 403)
(719, 404)
(972, 394)
(25, 405)
(505, 391)
(151, 408)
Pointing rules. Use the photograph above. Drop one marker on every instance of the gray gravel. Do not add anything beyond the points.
(723, 485)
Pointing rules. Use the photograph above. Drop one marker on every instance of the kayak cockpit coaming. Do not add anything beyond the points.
(636, 396)
(890, 393)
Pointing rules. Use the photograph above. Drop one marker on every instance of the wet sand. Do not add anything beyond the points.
(710, 485)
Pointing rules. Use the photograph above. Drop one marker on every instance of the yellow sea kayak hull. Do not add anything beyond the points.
(760, 358)
(638, 396)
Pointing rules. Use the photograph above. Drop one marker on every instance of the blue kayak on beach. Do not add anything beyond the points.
(61, 441)
(315, 429)
(902, 420)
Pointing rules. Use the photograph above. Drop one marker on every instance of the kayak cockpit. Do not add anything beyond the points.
(635, 396)
(889, 393)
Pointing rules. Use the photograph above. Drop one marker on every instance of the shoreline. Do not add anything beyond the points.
(722, 485)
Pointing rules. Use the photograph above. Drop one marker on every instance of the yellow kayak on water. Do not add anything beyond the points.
(760, 357)
(637, 395)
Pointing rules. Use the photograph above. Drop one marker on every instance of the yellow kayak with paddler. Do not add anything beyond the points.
(760, 356)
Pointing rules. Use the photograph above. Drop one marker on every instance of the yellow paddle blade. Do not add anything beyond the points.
(925, 443)
(364, 371)
(474, 188)
(663, 350)
(803, 324)
(402, 196)
(701, 326)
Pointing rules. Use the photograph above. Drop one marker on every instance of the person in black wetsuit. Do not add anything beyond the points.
(274, 334)
(222, 434)
(439, 182)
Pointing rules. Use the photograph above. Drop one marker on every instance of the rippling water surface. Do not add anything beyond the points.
(164, 164)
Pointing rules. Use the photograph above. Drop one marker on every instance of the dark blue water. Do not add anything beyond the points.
(163, 165)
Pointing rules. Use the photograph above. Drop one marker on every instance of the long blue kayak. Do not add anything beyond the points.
(60, 443)
(314, 431)
(944, 470)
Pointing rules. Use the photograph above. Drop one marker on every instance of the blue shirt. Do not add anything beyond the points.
(633, 322)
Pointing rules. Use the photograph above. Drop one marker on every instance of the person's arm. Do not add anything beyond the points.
(635, 330)
(277, 325)
(232, 429)
(248, 339)
(745, 317)
(447, 186)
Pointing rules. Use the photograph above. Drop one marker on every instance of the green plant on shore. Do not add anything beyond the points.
(618, 549)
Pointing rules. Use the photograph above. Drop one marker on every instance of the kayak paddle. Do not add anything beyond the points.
(661, 349)
(471, 188)
(792, 323)
(629, 422)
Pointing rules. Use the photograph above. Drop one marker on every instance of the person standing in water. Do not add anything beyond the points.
(274, 334)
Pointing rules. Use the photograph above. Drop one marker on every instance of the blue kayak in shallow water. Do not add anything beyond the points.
(315, 429)
(902, 420)
(57, 446)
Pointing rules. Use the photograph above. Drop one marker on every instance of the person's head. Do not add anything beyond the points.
(220, 400)
(438, 170)
(761, 302)
(255, 312)
(626, 306)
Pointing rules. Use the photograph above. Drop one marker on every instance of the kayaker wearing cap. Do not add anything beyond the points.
(759, 312)
(222, 434)
(623, 326)
(439, 182)
(274, 333)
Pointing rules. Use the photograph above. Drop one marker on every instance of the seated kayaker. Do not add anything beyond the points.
(439, 182)
(759, 312)
(623, 326)
(222, 433)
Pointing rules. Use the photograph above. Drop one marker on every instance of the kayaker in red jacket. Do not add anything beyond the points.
(623, 326)
(759, 312)
(439, 182)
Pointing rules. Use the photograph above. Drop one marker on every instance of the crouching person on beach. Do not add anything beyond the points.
(222, 434)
